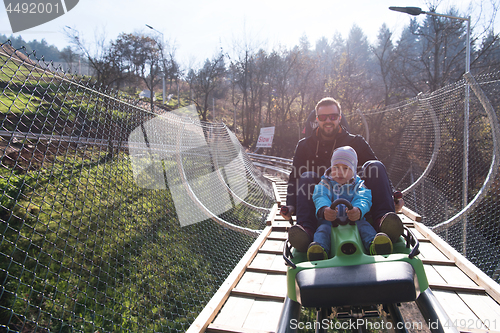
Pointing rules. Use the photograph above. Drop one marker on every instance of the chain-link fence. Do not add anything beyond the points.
(114, 218)
(449, 173)
(424, 144)
(430, 154)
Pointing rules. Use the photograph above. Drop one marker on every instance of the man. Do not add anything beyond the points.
(312, 159)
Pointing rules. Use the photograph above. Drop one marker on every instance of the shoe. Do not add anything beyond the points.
(392, 226)
(298, 238)
(316, 252)
(381, 244)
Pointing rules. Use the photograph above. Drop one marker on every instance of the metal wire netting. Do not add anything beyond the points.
(452, 182)
(451, 179)
(116, 218)
(113, 217)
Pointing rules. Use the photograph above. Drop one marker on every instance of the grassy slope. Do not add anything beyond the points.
(83, 247)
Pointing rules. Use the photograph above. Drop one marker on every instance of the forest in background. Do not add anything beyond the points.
(251, 88)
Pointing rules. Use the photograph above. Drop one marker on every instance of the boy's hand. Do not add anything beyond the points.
(330, 214)
(354, 214)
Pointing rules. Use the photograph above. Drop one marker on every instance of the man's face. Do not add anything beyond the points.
(327, 127)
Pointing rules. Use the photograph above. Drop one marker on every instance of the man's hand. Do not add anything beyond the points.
(354, 214)
(330, 214)
(398, 201)
(287, 212)
(399, 205)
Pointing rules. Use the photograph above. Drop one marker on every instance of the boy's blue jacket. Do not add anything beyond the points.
(329, 190)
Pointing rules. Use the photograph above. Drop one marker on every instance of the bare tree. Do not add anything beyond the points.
(69, 56)
(96, 56)
(203, 82)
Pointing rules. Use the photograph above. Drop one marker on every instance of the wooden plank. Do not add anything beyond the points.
(258, 295)
(456, 288)
(491, 287)
(477, 331)
(251, 281)
(215, 304)
(429, 251)
(279, 263)
(263, 260)
(406, 220)
(270, 283)
(275, 252)
(278, 235)
(433, 276)
(455, 307)
(281, 271)
(264, 315)
(233, 313)
(281, 225)
(420, 237)
(453, 275)
(271, 263)
(273, 245)
(213, 328)
(275, 283)
(277, 196)
(464, 330)
(271, 215)
(279, 218)
(411, 214)
(485, 308)
(437, 262)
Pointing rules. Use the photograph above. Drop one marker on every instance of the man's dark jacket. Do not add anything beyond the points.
(314, 154)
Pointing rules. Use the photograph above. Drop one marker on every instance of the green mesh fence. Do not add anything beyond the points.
(114, 218)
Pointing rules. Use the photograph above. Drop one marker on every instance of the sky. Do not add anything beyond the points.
(199, 28)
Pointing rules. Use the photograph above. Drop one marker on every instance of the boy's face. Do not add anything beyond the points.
(341, 173)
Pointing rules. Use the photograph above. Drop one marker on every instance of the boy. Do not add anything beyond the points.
(341, 181)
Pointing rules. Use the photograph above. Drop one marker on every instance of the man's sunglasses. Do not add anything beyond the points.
(332, 116)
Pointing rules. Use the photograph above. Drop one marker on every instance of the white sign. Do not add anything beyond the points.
(266, 137)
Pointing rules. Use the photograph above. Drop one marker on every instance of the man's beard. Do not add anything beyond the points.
(331, 134)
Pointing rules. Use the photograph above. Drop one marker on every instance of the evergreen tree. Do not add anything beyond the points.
(41, 49)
